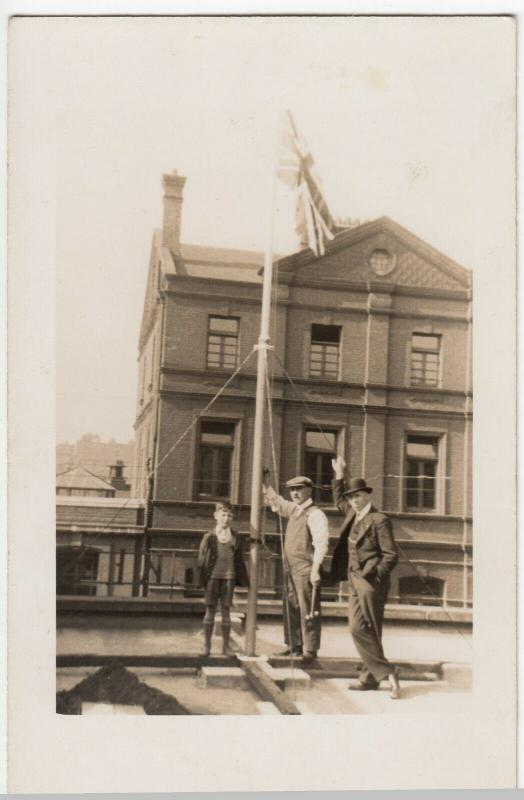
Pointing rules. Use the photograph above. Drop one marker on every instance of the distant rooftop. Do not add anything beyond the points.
(81, 478)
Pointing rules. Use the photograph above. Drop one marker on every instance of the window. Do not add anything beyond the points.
(325, 350)
(222, 343)
(320, 448)
(421, 469)
(76, 570)
(414, 590)
(215, 458)
(425, 359)
(381, 262)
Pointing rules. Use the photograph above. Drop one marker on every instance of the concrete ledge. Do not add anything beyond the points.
(191, 606)
(458, 675)
(344, 667)
(225, 677)
(292, 677)
(265, 707)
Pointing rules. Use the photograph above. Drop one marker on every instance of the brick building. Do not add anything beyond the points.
(95, 544)
(376, 336)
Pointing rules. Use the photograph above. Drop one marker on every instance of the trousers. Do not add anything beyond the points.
(367, 598)
(298, 631)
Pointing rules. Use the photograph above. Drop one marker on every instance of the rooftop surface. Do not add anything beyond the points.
(329, 695)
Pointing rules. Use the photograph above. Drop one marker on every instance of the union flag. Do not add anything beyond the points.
(296, 168)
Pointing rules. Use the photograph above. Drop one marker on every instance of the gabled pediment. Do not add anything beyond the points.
(381, 251)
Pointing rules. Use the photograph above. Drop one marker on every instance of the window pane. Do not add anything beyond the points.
(217, 432)
(422, 341)
(411, 495)
(324, 360)
(223, 473)
(325, 333)
(223, 324)
(412, 470)
(428, 498)
(422, 447)
(206, 470)
(316, 440)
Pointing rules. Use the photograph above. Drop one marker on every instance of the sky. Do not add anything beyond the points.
(409, 118)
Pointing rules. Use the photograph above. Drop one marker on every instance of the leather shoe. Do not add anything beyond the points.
(394, 683)
(308, 658)
(296, 651)
(363, 687)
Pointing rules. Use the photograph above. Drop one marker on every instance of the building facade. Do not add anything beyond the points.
(371, 360)
(96, 540)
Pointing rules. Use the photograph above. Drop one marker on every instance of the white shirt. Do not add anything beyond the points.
(317, 521)
(362, 514)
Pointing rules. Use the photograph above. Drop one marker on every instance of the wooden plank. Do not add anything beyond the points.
(351, 666)
(174, 661)
(266, 687)
(340, 673)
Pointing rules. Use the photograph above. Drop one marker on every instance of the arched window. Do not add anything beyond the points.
(415, 590)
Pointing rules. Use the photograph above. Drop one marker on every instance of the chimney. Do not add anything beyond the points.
(173, 188)
(116, 476)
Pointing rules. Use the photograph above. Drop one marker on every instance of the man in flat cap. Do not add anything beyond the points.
(305, 546)
(364, 556)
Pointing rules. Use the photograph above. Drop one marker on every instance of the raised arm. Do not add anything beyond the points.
(271, 498)
(339, 466)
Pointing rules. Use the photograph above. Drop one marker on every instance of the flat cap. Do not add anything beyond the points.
(300, 480)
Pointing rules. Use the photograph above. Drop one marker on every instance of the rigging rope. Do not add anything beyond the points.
(286, 571)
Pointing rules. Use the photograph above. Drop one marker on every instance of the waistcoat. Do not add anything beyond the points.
(298, 545)
(354, 563)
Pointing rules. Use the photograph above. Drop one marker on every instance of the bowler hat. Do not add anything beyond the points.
(300, 480)
(357, 485)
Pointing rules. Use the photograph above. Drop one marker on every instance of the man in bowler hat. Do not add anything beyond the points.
(364, 556)
(305, 546)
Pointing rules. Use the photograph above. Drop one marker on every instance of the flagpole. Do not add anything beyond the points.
(256, 485)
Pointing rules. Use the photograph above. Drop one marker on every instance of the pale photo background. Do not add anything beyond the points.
(99, 109)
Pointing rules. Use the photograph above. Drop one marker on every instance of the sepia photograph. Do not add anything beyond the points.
(274, 241)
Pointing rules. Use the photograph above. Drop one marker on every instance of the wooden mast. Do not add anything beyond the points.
(256, 485)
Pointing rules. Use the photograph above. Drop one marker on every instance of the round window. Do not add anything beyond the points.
(381, 262)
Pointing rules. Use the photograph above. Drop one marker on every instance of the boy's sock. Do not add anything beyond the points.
(208, 634)
(226, 632)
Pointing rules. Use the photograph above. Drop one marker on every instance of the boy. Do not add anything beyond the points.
(221, 568)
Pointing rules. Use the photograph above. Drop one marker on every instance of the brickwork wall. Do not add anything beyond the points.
(377, 322)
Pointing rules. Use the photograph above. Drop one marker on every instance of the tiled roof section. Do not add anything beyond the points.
(220, 263)
(81, 478)
(200, 253)
(95, 514)
(221, 272)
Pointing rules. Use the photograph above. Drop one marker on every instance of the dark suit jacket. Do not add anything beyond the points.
(376, 549)
(207, 557)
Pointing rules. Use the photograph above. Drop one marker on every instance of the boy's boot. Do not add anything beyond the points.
(226, 631)
(208, 634)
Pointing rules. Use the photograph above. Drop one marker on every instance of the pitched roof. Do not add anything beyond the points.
(80, 478)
